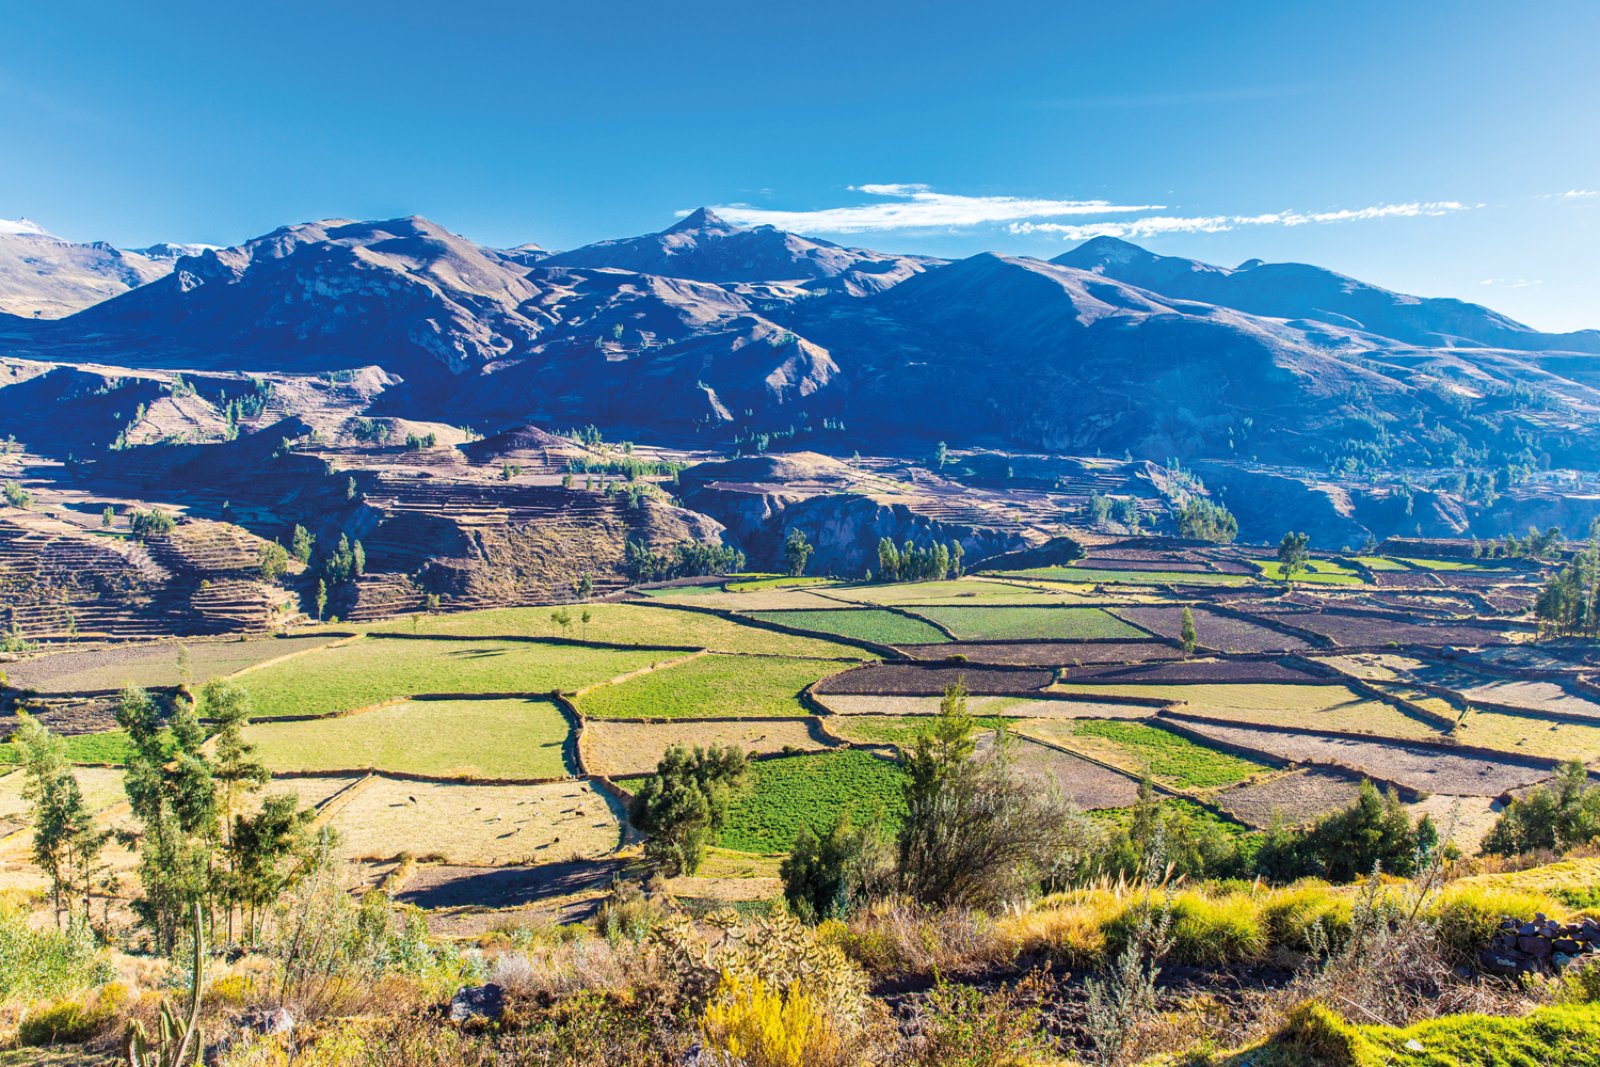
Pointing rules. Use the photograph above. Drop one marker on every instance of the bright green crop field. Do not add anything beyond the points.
(450, 738)
(1318, 572)
(1008, 624)
(1107, 575)
(781, 795)
(373, 670)
(1165, 756)
(710, 685)
(864, 624)
(108, 746)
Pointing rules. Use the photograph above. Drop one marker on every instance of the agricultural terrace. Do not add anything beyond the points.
(621, 749)
(1110, 576)
(1213, 629)
(955, 592)
(781, 795)
(709, 685)
(846, 705)
(1317, 572)
(1078, 781)
(626, 624)
(1551, 739)
(373, 670)
(1146, 750)
(149, 666)
(107, 747)
(1024, 623)
(504, 738)
(1311, 707)
(863, 624)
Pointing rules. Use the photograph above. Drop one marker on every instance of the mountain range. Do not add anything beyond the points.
(710, 328)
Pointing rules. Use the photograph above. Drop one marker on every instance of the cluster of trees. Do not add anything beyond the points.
(1569, 603)
(689, 559)
(16, 496)
(684, 803)
(347, 562)
(1120, 509)
(1294, 555)
(915, 564)
(152, 523)
(201, 835)
(796, 553)
(417, 442)
(626, 464)
(1561, 815)
(1205, 520)
(1536, 545)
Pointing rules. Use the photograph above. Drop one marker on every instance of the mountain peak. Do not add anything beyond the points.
(702, 219)
(21, 226)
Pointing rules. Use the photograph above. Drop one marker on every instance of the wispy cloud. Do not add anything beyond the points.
(1573, 194)
(911, 207)
(1156, 225)
(1512, 283)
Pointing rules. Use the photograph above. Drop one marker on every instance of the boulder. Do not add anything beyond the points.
(485, 1001)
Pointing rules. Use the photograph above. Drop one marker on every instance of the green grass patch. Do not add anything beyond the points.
(863, 624)
(1112, 576)
(1317, 572)
(1380, 563)
(1009, 624)
(152, 665)
(625, 624)
(1446, 564)
(956, 591)
(777, 581)
(373, 670)
(711, 685)
(1165, 756)
(449, 738)
(781, 795)
(108, 746)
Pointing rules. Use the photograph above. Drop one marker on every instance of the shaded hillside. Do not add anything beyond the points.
(44, 276)
(1302, 291)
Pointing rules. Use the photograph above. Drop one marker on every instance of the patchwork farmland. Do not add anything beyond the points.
(490, 755)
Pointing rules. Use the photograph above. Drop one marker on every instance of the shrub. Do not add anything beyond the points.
(962, 1026)
(1067, 928)
(1468, 915)
(763, 1028)
(36, 964)
(66, 1021)
(1306, 917)
(1205, 930)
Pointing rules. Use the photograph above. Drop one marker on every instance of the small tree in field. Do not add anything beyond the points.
(1294, 555)
(796, 552)
(684, 803)
(1186, 634)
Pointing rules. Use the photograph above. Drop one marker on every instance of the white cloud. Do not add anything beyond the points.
(20, 226)
(1579, 194)
(909, 207)
(1156, 225)
(1512, 283)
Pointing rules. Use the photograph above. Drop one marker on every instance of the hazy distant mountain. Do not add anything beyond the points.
(1300, 291)
(44, 276)
(707, 248)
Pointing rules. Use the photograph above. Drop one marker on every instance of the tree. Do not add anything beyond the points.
(888, 560)
(236, 769)
(301, 544)
(66, 842)
(108, 515)
(796, 552)
(358, 559)
(684, 803)
(1186, 634)
(584, 586)
(322, 599)
(957, 553)
(274, 561)
(975, 834)
(827, 877)
(1294, 555)
(1203, 520)
(941, 456)
(1563, 814)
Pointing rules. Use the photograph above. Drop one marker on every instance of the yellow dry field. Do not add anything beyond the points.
(763, 600)
(101, 787)
(477, 825)
(1529, 736)
(1464, 820)
(622, 748)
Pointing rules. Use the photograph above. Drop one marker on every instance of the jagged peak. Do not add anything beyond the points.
(702, 219)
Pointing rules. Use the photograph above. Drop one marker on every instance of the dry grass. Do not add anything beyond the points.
(1315, 707)
(1016, 707)
(624, 748)
(1535, 737)
(478, 824)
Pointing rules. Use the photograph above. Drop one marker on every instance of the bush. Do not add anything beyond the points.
(1205, 930)
(66, 1021)
(37, 964)
(1468, 915)
(763, 1028)
(1306, 917)
(965, 1027)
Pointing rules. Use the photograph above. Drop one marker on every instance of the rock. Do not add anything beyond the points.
(1566, 945)
(1537, 947)
(484, 1001)
(1413, 1045)
(273, 1021)
(1502, 962)
(1560, 960)
(1527, 929)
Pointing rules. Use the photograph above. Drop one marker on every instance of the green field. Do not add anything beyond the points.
(1008, 624)
(626, 624)
(781, 795)
(1446, 564)
(1316, 707)
(108, 746)
(775, 581)
(958, 591)
(1380, 563)
(1107, 575)
(1318, 571)
(863, 624)
(1149, 750)
(373, 670)
(449, 738)
(711, 685)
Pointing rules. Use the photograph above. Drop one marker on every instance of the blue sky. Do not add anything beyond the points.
(1427, 147)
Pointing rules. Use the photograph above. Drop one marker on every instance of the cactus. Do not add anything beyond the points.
(178, 1045)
